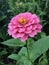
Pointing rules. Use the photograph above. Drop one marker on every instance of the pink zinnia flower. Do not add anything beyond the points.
(24, 25)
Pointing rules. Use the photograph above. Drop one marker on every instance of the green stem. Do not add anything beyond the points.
(27, 49)
(28, 52)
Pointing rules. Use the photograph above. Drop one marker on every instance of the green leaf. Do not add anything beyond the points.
(3, 52)
(14, 42)
(23, 61)
(13, 56)
(12, 5)
(23, 52)
(2, 17)
(30, 41)
(21, 57)
(39, 47)
(1, 63)
(43, 34)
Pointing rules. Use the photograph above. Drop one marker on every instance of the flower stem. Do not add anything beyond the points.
(28, 52)
(27, 49)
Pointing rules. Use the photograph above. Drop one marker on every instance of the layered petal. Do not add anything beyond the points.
(24, 25)
(24, 38)
(32, 34)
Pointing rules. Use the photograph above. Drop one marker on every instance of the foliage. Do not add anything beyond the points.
(36, 50)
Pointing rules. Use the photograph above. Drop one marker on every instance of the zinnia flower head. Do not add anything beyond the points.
(24, 25)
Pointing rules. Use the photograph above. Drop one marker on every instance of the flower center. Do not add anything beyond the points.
(22, 20)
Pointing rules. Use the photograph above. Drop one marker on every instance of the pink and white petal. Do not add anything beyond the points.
(14, 36)
(13, 19)
(14, 30)
(28, 31)
(27, 15)
(29, 27)
(32, 34)
(24, 38)
(17, 35)
(34, 27)
(39, 26)
(38, 30)
(14, 26)
(29, 23)
(20, 34)
(10, 27)
(19, 25)
(37, 20)
(9, 32)
(21, 30)
(34, 16)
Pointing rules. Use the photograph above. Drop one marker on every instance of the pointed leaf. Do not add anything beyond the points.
(24, 61)
(14, 42)
(39, 47)
(13, 56)
(23, 52)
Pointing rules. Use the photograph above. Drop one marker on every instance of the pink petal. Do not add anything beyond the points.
(15, 30)
(38, 30)
(19, 25)
(21, 29)
(39, 26)
(34, 16)
(29, 23)
(37, 20)
(20, 34)
(29, 27)
(9, 32)
(24, 38)
(27, 32)
(32, 34)
(34, 27)
(17, 35)
(12, 26)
